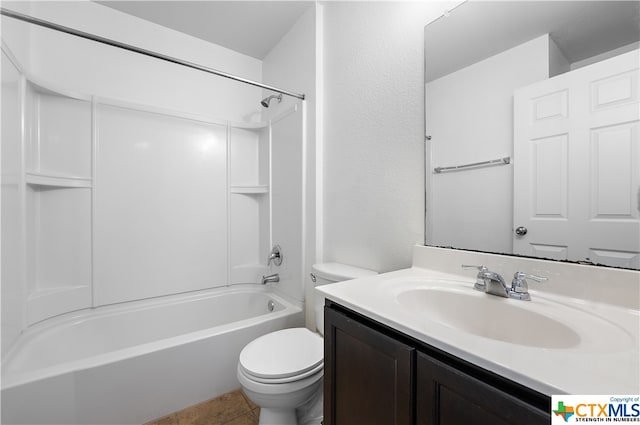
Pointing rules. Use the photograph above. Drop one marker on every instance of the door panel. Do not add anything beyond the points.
(577, 164)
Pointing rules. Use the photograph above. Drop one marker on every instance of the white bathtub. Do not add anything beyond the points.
(134, 362)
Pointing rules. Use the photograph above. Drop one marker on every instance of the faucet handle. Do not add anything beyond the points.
(470, 266)
(275, 255)
(522, 275)
(520, 287)
(480, 285)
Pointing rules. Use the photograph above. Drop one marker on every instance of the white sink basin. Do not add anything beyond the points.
(540, 323)
(490, 317)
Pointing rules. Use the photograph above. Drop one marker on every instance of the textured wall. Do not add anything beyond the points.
(373, 131)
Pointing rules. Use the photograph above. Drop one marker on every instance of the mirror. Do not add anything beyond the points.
(532, 129)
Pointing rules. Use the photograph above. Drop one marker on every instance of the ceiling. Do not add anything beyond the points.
(249, 27)
(478, 29)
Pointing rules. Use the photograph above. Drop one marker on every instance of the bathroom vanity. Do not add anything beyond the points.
(422, 346)
(376, 375)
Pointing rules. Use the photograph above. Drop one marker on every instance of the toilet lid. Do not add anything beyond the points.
(283, 354)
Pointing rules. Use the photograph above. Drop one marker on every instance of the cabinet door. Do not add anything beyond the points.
(447, 396)
(367, 375)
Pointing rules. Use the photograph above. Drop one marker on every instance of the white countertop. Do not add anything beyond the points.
(596, 365)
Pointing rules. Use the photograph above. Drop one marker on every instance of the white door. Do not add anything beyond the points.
(577, 165)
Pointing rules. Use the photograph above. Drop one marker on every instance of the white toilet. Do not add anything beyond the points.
(282, 371)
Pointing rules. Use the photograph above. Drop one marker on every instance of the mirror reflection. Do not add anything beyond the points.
(532, 125)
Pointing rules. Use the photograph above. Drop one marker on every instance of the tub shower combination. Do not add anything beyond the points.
(137, 361)
(136, 248)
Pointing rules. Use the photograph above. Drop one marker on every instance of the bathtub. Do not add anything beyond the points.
(135, 362)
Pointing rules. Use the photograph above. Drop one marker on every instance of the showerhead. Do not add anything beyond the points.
(265, 102)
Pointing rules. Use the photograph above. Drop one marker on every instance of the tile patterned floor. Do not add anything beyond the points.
(233, 408)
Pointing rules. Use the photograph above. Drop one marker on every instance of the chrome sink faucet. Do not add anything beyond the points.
(489, 282)
(492, 283)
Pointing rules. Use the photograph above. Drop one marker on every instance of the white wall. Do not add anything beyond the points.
(90, 67)
(469, 115)
(605, 55)
(373, 131)
(558, 63)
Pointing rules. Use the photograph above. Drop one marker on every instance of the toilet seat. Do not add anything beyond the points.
(283, 356)
(292, 378)
(270, 389)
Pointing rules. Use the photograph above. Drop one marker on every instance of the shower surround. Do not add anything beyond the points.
(122, 188)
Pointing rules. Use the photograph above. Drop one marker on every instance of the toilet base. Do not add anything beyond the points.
(277, 416)
(310, 413)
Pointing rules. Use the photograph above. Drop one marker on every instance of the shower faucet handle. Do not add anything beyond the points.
(275, 256)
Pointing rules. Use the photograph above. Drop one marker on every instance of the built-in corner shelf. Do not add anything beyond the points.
(39, 179)
(250, 190)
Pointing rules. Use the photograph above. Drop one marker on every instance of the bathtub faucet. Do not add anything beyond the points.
(272, 278)
(275, 256)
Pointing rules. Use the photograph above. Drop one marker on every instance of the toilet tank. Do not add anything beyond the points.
(324, 273)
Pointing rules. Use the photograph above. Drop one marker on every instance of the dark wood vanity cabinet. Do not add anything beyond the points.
(448, 396)
(375, 375)
(367, 375)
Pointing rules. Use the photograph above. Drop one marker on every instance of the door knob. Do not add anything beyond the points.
(521, 231)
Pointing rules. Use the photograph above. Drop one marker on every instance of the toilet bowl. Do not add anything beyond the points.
(282, 371)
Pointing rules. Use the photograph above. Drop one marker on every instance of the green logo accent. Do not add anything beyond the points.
(565, 411)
